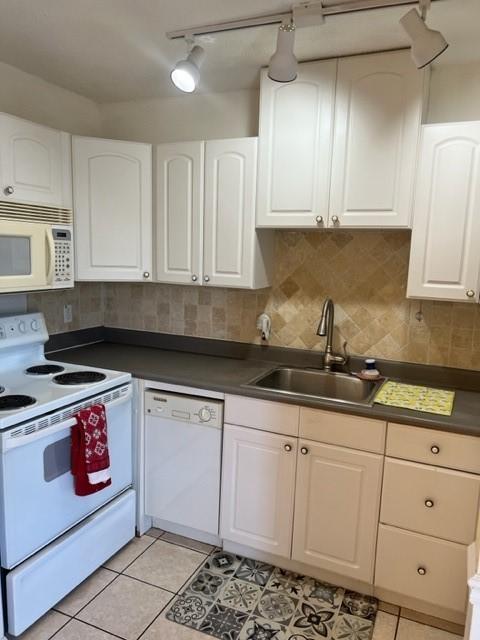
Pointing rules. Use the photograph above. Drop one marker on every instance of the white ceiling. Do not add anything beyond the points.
(113, 50)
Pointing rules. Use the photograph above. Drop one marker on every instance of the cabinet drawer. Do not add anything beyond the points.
(261, 414)
(434, 447)
(343, 430)
(433, 501)
(402, 554)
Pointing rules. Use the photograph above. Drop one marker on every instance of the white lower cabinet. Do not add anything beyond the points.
(336, 509)
(318, 505)
(258, 485)
(428, 569)
(444, 256)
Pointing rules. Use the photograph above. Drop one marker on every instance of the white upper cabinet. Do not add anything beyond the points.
(232, 247)
(179, 176)
(378, 111)
(445, 250)
(295, 145)
(205, 215)
(35, 163)
(113, 209)
(258, 486)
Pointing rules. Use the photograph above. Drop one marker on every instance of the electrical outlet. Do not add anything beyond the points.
(67, 313)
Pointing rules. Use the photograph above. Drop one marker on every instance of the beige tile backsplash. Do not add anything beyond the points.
(365, 272)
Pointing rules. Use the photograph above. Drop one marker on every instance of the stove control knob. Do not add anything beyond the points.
(34, 325)
(22, 326)
(205, 414)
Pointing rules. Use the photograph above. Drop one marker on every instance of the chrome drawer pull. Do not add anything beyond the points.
(421, 571)
(435, 449)
(429, 503)
(304, 451)
(287, 447)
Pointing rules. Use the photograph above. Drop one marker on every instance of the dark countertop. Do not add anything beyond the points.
(229, 374)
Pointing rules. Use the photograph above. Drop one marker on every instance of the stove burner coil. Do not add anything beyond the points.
(79, 377)
(9, 403)
(44, 369)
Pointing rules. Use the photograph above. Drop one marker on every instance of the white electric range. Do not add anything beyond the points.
(50, 538)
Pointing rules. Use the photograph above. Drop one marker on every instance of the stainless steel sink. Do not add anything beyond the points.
(339, 387)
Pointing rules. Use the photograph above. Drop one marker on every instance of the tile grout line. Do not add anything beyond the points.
(397, 625)
(150, 584)
(62, 627)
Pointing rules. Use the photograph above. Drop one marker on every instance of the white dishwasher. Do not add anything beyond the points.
(183, 448)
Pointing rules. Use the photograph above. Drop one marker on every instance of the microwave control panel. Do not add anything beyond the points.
(62, 239)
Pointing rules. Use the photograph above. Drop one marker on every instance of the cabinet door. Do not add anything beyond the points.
(113, 209)
(336, 509)
(444, 255)
(229, 217)
(378, 114)
(258, 484)
(35, 163)
(295, 146)
(179, 212)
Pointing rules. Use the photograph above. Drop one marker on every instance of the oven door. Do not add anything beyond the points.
(37, 499)
(27, 256)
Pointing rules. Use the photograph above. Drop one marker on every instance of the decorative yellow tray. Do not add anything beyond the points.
(410, 396)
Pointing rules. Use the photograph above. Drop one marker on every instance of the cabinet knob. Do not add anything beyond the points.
(8, 191)
(304, 451)
(421, 571)
(146, 274)
(287, 447)
(206, 278)
(429, 503)
(194, 278)
(335, 219)
(470, 293)
(435, 449)
(319, 219)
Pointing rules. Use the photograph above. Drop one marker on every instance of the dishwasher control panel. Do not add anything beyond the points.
(173, 406)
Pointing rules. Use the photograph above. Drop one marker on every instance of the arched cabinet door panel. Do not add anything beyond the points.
(295, 147)
(232, 248)
(179, 175)
(445, 256)
(113, 209)
(378, 112)
(35, 163)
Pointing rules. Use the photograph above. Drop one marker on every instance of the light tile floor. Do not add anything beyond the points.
(127, 598)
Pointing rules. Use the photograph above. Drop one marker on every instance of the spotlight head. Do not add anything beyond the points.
(283, 63)
(186, 73)
(427, 44)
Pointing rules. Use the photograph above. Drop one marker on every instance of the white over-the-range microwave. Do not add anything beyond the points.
(36, 248)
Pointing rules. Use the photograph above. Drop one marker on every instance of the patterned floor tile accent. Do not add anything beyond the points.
(235, 598)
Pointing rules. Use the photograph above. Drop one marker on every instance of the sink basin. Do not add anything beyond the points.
(339, 387)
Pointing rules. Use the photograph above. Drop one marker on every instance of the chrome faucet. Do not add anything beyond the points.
(325, 328)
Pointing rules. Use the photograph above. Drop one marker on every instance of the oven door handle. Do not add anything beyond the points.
(19, 441)
(51, 256)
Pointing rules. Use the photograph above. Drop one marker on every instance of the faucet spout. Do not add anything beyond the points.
(325, 328)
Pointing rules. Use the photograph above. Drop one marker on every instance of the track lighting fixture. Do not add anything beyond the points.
(427, 44)
(283, 63)
(186, 73)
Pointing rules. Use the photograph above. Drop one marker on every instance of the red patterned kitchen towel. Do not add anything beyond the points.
(90, 459)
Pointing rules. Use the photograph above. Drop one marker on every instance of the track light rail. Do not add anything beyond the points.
(278, 18)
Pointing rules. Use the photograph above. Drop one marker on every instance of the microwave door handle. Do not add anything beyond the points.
(51, 256)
